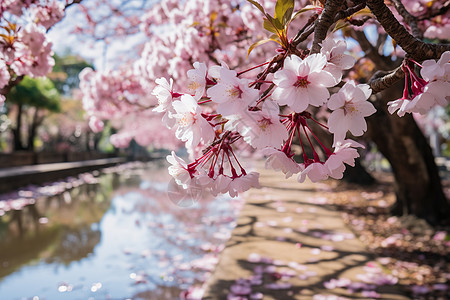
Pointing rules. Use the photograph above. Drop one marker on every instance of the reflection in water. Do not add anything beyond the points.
(118, 238)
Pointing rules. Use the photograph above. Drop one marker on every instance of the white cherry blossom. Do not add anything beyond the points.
(338, 60)
(302, 82)
(164, 93)
(399, 106)
(4, 74)
(350, 107)
(263, 128)
(243, 183)
(232, 93)
(315, 171)
(279, 161)
(178, 170)
(191, 127)
(197, 80)
(344, 152)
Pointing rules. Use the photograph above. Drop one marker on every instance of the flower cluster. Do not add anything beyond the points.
(25, 48)
(222, 112)
(422, 93)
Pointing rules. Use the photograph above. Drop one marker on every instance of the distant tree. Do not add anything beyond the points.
(65, 72)
(30, 100)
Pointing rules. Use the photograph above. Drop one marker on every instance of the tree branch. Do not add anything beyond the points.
(416, 48)
(324, 22)
(381, 80)
(410, 19)
(306, 31)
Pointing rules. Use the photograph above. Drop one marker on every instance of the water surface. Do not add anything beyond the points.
(118, 237)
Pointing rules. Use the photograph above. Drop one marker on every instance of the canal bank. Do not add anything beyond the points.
(16, 177)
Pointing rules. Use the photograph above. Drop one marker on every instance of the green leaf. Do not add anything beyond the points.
(304, 9)
(275, 22)
(340, 24)
(273, 38)
(269, 26)
(287, 16)
(283, 10)
(363, 12)
(258, 6)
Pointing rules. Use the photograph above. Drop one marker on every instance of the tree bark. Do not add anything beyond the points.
(17, 136)
(418, 186)
(33, 128)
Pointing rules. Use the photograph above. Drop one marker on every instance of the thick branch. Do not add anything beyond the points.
(417, 49)
(349, 11)
(381, 80)
(324, 22)
(12, 83)
(306, 31)
(410, 19)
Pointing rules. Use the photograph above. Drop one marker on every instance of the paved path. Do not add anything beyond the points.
(15, 177)
(266, 241)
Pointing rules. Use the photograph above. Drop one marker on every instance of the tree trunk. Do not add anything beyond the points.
(417, 183)
(35, 123)
(17, 134)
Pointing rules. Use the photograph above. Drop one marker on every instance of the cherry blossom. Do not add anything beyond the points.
(279, 161)
(337, 60)
(197, 80)
(424, 93)
(232, 93)
(164, 93)
(344, 152)
(263, 128)
(49, 14)
(179, 170)
(190, 125)
(95, 124)
(4, 74)
(33, 52)
(303, 82)
(316, 171)
(350, 107)
(243, 183)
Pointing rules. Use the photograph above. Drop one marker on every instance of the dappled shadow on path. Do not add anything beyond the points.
(289, 245)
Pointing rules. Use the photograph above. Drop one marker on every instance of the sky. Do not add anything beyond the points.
(101, 55)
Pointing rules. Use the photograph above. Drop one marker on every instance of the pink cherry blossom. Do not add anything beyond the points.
(343, 153)
(197, 80)
(350, 107)
(4, 74)
(190, 125)
(232, 93)
(263, 128)
(243, 183)
(435, 92)
(164, 93)
(33, 54)
(316, 171)
(337, 60)
(278, 161)
(49, 14)
(178, 170)
(95, 124)
(302, 82)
